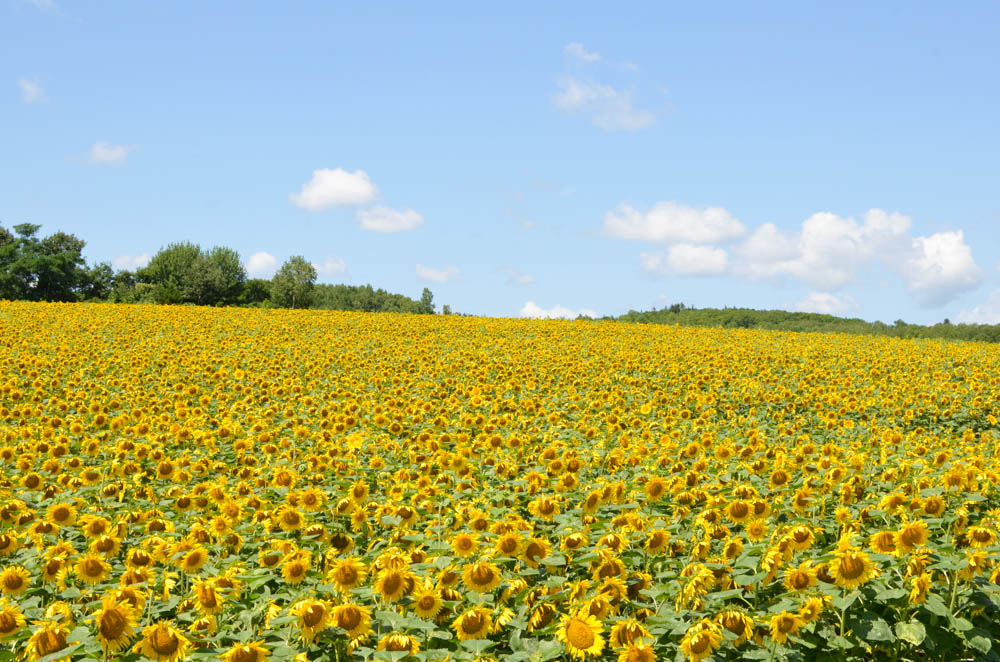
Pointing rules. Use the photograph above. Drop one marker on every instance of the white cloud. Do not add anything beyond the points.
(608, 108)
(261, 265)
(531, 309)
(686, 260)
(31, 91)
(672, 222)
(576, 50)
(828, 251)
(939, 268)
(824, 302)
(386, 220)
(516, 278)
(331, 267)
(987, 312)
(103, 153)
(334, 188)
(130, 262)
(433, 275)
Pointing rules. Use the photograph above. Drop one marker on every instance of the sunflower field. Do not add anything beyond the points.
(244, 485)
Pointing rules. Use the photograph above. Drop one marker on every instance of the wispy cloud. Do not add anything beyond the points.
(576, 51)
(432, 275)
(31, 91)
(608, 108)
(103, 153)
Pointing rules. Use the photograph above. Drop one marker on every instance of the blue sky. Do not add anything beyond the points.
(524, 161)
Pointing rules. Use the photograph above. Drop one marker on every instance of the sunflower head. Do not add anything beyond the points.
(580, 634)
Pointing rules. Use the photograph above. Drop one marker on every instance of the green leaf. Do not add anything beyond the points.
(844, 601)
(961, 624)
(548, 650)
(875, 630)
(477, 646)
(912, 632)
(936, 605)
(981, 643)
(58, 655)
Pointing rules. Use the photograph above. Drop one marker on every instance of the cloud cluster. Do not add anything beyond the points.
(130, 262)
(533, 310)
(31, 91)
(608, 107)
(261, 265)
(331, 267)
(433, 275)
(826, 253)
(516, 278)
(103, 153)
(330, 188)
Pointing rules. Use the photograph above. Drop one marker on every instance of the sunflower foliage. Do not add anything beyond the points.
(258, 485)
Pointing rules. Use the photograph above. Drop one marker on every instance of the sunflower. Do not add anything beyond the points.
(625, 633)
(980, 536)
(252, 652)
(347, 573)
(738, 623)
(63, 514)
(290, 519)
(883, 542)
(294, 569)
(313, 617)
(193, 559)
(701, 640)
(911, 536)
(637, 652)
(756, 530)
(115, 623)
(784, 624)
(738, 511)
(508, 545)
(11, 619)
(354, 619)
(535, 550)
(207, 598)
(475, 623)
(92, 569)
(14, 580)
(9, 543)
(851, 568)
(801, 578)
(580, 634)
(396, 642)
(393, 584)
(107, 546)
(812, 608)
(465, 544)
(481, 577)
(427, 603)
(48, 638)
(574, 542)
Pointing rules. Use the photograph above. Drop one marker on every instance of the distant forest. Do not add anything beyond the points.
(780, 320)
(52, 268)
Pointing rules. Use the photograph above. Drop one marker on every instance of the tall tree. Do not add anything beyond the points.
(47, 269)
(292, 286)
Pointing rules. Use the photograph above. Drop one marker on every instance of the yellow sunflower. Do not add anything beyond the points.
(625, 633)
(313, 616)
(851, 568)
(347, 573)
(427, 603)
(115, 623)
(14, 580)
(92, 569)
(800, 578)
(161, 642)
(396, 642)
(11, 619)
(738, 623)
(535, 550)
(354, 619)
(474, 623)
(784, 624)
(252, 652)
(637, 652)
(580, 634)
(481, 577)
(465, 544)
(393, 584)
(48, 638)
(701, 640)
(911, 536)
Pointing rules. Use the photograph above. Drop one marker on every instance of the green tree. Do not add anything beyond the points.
(47, 269)
(231, 275)
(292, 286)
(426, 302)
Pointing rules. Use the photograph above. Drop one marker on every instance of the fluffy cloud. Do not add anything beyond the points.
(531, 309)
(130, 262)
(671, 222)
(515, 278)
(433, 275)
(940, 267)
(577, 51)
(31, 91)
(824, 302)
(686, 260)
(987, 312)
(608, 108)
(828, 251)
(386, 220)
(331, 267)
(261, 265)
(334, 188)
(103, 153)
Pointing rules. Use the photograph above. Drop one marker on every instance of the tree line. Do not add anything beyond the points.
(781, 320)
(52, 268)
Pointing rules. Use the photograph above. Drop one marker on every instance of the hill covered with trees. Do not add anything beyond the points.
(52, 268)
(781, 320)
